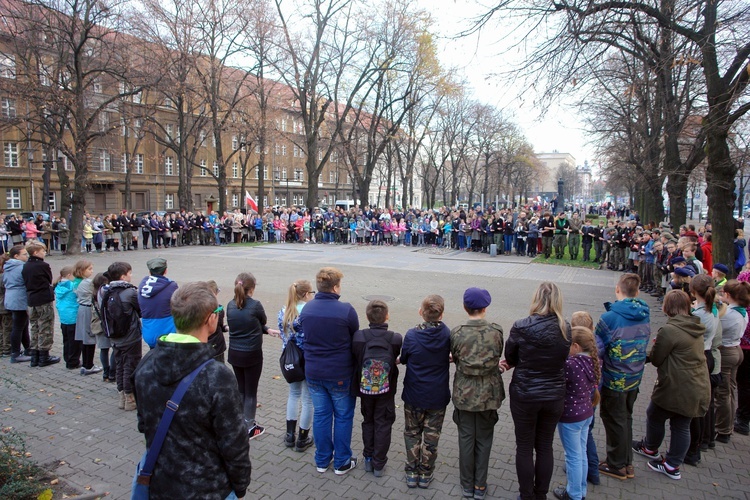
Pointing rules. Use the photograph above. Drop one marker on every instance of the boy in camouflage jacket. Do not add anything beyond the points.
(478, 390)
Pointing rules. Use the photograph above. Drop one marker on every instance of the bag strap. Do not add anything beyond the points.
(173, 404)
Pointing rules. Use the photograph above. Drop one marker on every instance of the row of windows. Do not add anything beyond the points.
(237, 199)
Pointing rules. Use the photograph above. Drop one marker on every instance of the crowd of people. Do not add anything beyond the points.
(562, 370)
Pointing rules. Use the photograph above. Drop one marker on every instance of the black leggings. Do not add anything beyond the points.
(247, 380)
(88, 351)
(20, 332)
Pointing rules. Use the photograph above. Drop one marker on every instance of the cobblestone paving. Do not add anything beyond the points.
(74, 428)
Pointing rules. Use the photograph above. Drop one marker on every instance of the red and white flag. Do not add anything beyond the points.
(249, 201)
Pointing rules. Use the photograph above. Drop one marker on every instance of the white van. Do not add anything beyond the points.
(346, 204)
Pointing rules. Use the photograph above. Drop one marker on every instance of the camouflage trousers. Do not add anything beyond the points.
(42, 322)
(422, 429)
(6, 325)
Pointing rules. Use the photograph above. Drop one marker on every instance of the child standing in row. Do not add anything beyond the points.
(478, 390)
(426, 393)
(376, 350)
(102, 341)
(84, 335)
(582, 374)
(37, 277)
(67, 311)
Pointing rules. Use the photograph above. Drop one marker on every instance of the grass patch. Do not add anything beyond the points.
(567, 261)
(20, 478)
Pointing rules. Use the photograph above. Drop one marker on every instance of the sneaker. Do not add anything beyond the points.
(608, 470)
(722, 438)
(340, 471)
(255, 431)
(593, 479)
(479, 493)
(90, 371)
(368, 464)
(377, 472)
(561, 492)
(639, 448)
(468, 493)
(660, 465)
(425, 480)
(741, 427)
(20, 358)
(322, 469)
(411, 480)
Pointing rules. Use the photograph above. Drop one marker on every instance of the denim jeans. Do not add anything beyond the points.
(299, 391)
(591, 453)
(574, 436)
(679, 426)
(332, 421)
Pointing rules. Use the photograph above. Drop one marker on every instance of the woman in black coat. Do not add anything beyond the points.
(537, 348)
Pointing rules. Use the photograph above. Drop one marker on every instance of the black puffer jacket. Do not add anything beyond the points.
(538, 351)
(206, 452)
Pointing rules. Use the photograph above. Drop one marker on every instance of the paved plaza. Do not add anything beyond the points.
(74, 429)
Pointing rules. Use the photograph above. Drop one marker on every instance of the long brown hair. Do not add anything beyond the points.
(297, 292)
(585, 339)
(243, 286)
(740, 292)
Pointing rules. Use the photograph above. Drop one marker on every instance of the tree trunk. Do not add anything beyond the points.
(720, 191)
(677, 183)
(80, 188)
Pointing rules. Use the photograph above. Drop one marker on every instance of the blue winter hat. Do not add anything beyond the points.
(721, 268)
(476, 298)
(678, 260)
(685, 272)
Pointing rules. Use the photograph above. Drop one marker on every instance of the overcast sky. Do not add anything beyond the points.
(477, 57)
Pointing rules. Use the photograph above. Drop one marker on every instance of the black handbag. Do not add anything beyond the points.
(292, 362)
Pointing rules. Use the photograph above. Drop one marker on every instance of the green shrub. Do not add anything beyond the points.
(18, 474)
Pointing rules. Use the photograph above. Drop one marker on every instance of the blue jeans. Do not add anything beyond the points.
(298, 391)
(574, 436)
(333, 419)
(591, 454)
(508, 240)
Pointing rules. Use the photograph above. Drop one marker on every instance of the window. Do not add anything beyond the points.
(299, 174)
(276, 200)
(235, 200)
(235, 143)
(103, 120)
(11, 154)
(294, 200)
(320, 154)
(235, 170)
(137, 126)
(216, 168)
(168, 103)
(169, 201)
(168, 165)
(265, 201)
(138, 163)
(9, 108)
(203, 138)
(301, 200)
(125, 160)
(169, 129)
(283, 174)
(204, 170)
(295, 152)
(44, 75)
(97, 87)
(13, 197)
(283, 200)
(257, 149)
(283, 124)
(123, 126)
(137, 98)
(7, 66)
(265, 172)
(283, 150)
(276, 149)
(105, 162)
(64, 159)
(52, 201)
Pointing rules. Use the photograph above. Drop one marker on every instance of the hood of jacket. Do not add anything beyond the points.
(13, 265)
(583, 364)
(432, 336)
(631, 309)
(152, 285)
(689, 324)
(174, 360)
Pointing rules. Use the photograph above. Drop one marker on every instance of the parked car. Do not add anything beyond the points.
(33, 215)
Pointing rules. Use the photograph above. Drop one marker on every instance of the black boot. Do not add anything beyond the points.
(34, 358)
(304, 441)
(291, 425)
(45, 359)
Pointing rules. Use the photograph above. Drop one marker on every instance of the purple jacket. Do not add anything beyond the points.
(580, 382)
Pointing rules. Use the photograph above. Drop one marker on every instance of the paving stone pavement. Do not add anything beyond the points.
(74, 428)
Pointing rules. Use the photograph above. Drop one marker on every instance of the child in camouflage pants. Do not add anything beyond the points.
(426, 392)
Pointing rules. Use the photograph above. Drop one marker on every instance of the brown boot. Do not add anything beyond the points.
(129, 402)
(121, 404)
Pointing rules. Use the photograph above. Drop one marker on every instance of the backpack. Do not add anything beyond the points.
(115, 322)
(377, 364)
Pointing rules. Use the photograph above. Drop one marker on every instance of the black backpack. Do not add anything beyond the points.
(115, 322)
(378, 363)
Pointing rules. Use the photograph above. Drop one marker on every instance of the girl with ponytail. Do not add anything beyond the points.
(246, 319)
(300, 292)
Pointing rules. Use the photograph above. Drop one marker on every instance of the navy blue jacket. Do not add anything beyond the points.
(154, 294)
(426, 354)
(329, 326)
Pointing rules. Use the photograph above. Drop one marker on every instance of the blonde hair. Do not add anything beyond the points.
(584, 337)
(548, 300)
(65, 271)
(297, 292)
(582, 318)
(80, 267)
